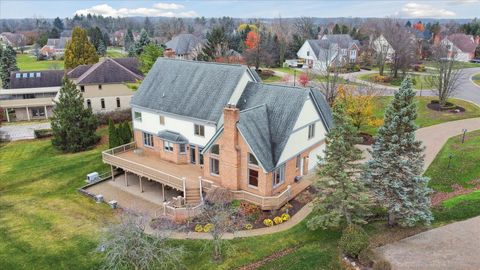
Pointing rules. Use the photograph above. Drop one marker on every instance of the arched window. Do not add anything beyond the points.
(89, 104)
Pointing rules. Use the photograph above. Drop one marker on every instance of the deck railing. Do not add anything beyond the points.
(265, 202)
(111, 157)
(179, 212)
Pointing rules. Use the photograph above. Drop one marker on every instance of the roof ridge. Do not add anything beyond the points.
(282, 85)
(253, 108)
(203, 62)
(88, 71)
(128, 70)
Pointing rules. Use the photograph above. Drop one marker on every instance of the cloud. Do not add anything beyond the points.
(415, 10)
(461, 2)
(158, 10)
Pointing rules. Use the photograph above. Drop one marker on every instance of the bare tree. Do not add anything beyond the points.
(445, 75)
(329, 71)
(305, 27)
(127, 246)
(171, 27)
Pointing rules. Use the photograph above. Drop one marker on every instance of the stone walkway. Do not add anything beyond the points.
(454, 247)
(21, 131)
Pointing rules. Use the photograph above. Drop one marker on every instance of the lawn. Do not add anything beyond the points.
(458, 64)
(288, 70)
(464, 165)
(420, 81)
(45, 223)
(115, 53)
(476, 79)
(426, 117)
(27, 62)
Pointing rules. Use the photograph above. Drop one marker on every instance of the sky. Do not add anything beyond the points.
(244, 9)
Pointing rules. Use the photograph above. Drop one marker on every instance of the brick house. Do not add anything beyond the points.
(461, 47)
(198, 125)
(184, 46)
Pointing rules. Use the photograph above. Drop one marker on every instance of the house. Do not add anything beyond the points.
(199, 125)
(30, 95)
(103, 84)
(55, 47)
(460, 46)
(13, 39)
(328, 50)
(184, 46)
(380, 45)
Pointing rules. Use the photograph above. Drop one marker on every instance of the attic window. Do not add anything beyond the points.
(199, 130)
(252, 160)
(311, 131)
(215, 149)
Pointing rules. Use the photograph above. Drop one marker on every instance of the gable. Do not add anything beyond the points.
(306, 47)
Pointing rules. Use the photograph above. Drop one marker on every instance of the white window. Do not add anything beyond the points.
(162, 120)
(32, 75)
(38, 74)
(199, 130)
(24, 75)
(18, 75)
(168, 146)
(38, 112)
(137, 116)
(311, 131)
(147, 139)
(214, 166)
(279, 175)
(308, 53)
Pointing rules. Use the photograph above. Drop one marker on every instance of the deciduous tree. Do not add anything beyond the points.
(148, 57)
(342, 197)
(358, 103)
(395, 172)
(79, 50)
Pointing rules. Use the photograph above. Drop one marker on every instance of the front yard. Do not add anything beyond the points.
(476, 79)
(420, 82)
(27, 62)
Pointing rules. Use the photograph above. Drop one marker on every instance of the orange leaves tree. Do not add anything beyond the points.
(359, 104)
(252, 40)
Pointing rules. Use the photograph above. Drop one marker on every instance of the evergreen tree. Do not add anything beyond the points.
(408, 24)
(143, 41)
(102, 50)
(8, 63)
(395, 171)
(336, 29)
(54, 33)
(148, 57)
(217, 45)
(57, 23)
(342, 198)
(148, 26)
(112, 134)
(95, 36)
(128, 40)
(73, 125)
(125, 132)
(79, 50)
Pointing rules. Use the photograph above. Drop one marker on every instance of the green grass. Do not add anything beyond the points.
(273, 79)
(426, 117)
(420, 82)
(287, 70)
(115, 53)
(476, 78)
(458, 64)
(458, 208)
(27, 62)
(464, 166)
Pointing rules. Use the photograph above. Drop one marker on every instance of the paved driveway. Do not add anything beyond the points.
(22, 131)
(454, 247)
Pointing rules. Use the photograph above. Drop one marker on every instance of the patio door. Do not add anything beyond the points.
(193, 154)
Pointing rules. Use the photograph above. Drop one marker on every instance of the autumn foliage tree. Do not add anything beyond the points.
(359, 104)
(79, 50)
(253, 50)
(303, 79)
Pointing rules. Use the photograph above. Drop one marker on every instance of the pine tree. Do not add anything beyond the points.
(79, 50)
(217, 45)
(126, 134)
(336, 29)
(8, 63)
(395, 171)
(57, 23)
(73, 125)
(128, 40)
(112, 134)
(143, 41)
(342, 199)
(102, 50)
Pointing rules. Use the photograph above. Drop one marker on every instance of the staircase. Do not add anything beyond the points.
(193, 196)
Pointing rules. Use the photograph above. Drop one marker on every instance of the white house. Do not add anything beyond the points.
(460, 46)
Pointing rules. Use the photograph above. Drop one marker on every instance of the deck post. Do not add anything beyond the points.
(113, 176)
(141, 186)
(184, 188)
(8, 116)
(201, 188)
(46, 112)
(126, 179)
(28, 113)
(163, 193)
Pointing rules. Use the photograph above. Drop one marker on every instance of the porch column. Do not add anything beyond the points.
(46, 112)
(141, 186)
(126, 179)
(113, 176)
(163, 192)
(28, 114)
(8, 116)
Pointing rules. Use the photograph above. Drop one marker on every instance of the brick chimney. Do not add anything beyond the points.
(229, 149)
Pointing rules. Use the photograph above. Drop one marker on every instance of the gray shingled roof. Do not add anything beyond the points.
(110, 70)
(323, 49)
(188, 88)
(344, 41)
(78, 71)
(283, 105)
(322, 105)
(172, 136)
(183, 43)
(48, 78)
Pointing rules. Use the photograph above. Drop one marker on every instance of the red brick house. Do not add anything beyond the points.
(199, 125)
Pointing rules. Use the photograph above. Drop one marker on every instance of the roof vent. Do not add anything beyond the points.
(163, 94)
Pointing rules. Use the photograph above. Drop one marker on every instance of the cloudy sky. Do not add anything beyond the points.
(244, 9)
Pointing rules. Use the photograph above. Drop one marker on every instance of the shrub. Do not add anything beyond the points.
(199, 228)
(285, 217)
(248, 226)
(277, 220)
(219, 195)
(43, 133)
(419, 68)
(381, 79)
(366, 257)
(208, 227)
(116, 116)
(268, 222)
(382, 265)
(354, 239)
(250, 210)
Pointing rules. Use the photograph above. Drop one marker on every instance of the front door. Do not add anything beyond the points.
(193, 155)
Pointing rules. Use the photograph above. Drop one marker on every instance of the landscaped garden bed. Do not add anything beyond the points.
(448, 107)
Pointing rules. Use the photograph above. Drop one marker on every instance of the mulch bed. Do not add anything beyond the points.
(267, 259)
(439, 197)
(367, 139)
(451, 108)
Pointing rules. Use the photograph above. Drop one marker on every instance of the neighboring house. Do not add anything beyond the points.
(30, 95)
(198, 125)
(380, 45)
(103, 84)
(55, 47)
(320, 54)
(184, 46)
(460, 46)
(13, 39)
